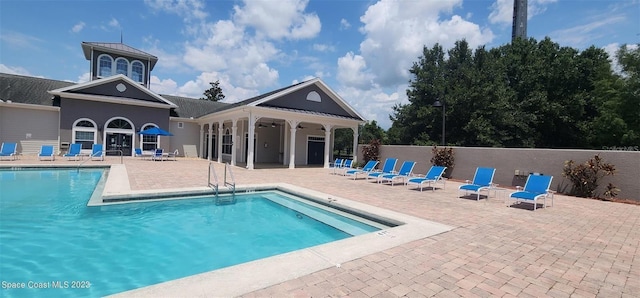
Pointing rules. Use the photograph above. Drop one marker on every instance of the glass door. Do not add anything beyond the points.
(119, 141)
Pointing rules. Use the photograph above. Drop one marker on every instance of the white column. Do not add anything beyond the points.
(292, 144)
(209, 149)
(327, 144)
(355, 144)
(201, 141)
(251, 129)
(286, 149)
(234, 142)
(219, 138)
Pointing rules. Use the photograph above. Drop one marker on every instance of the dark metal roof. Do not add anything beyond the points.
(192, 107)
(310, 112)
(114, 47)
(30, 90)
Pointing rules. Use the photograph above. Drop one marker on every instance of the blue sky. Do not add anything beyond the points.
(361, 49)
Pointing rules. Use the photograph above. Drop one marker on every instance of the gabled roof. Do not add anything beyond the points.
(263, 100)
(74, 91)
(119, 48)
(31, 90)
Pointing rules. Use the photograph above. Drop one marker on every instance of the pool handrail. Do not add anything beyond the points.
(215, 178)
(103, 152)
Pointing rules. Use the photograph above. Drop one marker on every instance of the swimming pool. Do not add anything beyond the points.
(54, 241)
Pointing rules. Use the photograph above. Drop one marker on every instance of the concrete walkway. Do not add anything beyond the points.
(577, 248)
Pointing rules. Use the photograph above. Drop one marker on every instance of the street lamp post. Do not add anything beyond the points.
(440, 104)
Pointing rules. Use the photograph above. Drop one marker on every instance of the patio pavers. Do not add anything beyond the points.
(579, 247)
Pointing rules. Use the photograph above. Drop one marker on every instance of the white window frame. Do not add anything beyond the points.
(75, 129)
(126, 63)
(146, 139)
(227, 142)
(141, 71)
(99, 74)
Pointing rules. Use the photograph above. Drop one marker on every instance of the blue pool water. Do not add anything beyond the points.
(49, 238)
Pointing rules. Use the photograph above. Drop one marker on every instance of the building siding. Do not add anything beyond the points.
(42, 126)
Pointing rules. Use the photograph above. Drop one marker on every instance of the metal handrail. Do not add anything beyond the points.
(103, 152)
(215, 177)
(232, 184)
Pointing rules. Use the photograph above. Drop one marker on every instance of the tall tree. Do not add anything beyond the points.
(214, 93)
(372, 131)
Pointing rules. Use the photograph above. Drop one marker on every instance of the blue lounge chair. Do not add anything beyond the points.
(482, 181)
(406, 170)
(158, 155)
(389, 167)
(536, 187)
(74, 151)
(346, 166)
(336, 165)
(96, 152)
(9, 151)
(368, 168)
(433, 175)
(46, 152)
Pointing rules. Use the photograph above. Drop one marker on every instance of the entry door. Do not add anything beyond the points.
(119, 141)
(315, 151)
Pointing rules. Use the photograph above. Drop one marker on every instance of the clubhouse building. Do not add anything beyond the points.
(291, 126)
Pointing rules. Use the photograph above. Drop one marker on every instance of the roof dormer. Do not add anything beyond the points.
(108, 59)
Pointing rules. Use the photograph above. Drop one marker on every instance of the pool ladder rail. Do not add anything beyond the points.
(216, 185)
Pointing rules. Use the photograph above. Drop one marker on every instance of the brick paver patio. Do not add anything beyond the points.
(577, 248)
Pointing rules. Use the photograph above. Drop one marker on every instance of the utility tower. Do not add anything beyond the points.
(519, 29)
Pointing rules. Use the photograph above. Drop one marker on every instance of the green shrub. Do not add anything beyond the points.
(585, 177)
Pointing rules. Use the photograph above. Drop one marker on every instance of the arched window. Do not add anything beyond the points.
(122, 66)
(105, 66)
(148, 142)
(84, 131)
(227, 142)
(137, 71)
(119, 123)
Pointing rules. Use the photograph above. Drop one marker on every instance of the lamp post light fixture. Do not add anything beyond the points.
(440, 104)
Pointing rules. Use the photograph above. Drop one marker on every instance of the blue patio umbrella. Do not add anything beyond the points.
(155, 131)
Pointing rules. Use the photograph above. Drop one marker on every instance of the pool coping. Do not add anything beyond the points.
(254, 275)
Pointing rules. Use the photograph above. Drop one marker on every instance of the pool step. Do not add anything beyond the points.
(318, 215)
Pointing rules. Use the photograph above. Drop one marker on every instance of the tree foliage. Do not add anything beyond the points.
(214, 93)
(523, 94)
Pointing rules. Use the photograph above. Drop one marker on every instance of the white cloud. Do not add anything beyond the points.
(502, 10)
(14, 70)
(160, 86)
(286, 19)
(352, 71)
(19, 40)
(375, 79)
(78, 27)
(114, 23)
(375, 103)
(323, 47)
(189, 10)
(582, 35)
(344, 24)
(395, 33)
(85, 77)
